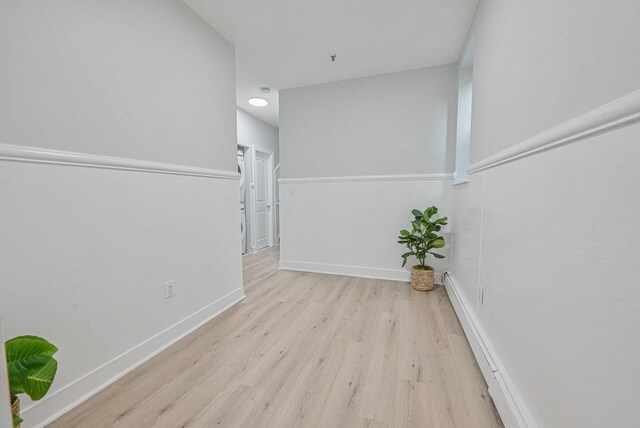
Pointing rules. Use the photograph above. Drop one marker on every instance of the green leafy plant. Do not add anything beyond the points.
(422, 239)
(31, 368)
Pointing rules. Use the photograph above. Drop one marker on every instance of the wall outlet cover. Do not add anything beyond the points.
(169, 289)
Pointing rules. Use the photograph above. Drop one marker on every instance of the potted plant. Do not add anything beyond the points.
(31, 369)
(421, 241)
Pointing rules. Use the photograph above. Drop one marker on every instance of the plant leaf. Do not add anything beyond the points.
(437, 243)
(405, 255)
(405, 232)
(37, 384)
(26, 357)
(437, 256)
(417, 213)
(17, 420)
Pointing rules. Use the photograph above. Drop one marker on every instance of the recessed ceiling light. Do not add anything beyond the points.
(258, 102)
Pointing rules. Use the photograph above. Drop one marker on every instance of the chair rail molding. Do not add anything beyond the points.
(368, 178)
(17, 153)
(616, 114)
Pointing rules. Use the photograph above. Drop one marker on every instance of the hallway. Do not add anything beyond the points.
(306, 349)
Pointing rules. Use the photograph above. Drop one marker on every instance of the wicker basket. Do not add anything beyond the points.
(15, 408)
(422, 279)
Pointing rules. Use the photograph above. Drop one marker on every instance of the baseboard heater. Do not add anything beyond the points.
(511, 411)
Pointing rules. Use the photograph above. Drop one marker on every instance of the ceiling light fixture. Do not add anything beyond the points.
(258, 102)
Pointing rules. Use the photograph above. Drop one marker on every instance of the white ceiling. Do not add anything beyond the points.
(288, 43)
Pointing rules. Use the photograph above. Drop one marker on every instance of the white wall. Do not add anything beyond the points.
(135, 80)
(542, 63)
(394, 123)
(553, 236)
(88, 249)
(255, 132)
(350, 227)
(356, 157)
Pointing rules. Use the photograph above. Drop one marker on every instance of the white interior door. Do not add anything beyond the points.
(263, 194)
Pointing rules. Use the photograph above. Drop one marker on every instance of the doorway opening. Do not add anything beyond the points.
(257, 193)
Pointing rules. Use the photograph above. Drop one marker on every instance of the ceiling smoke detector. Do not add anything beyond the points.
(265, 90)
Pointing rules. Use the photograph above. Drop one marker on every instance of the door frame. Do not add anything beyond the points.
(269, 184)
(5, 400)
(248, 203)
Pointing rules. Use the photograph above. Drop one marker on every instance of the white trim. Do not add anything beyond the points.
(511, 407)
(15, 153)
(616, 114)
(72, 395)
(263, 149)
(368, 178)
(5, 399)
(457, 182)
(345, 270)
(276, 205)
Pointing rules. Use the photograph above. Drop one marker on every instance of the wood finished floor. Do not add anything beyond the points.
(307, 350)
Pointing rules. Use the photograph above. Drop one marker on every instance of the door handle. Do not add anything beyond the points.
(268, 207)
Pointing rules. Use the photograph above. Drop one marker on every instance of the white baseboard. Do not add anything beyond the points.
(510, 407)
(57, 404)
(358, 271)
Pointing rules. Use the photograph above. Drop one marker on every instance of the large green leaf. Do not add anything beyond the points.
(437, 256)
(38, 383)
(437, 243)
(405, 232)
(417, 213)
(30, 365)
(442, 220)
(430, 235)
(431, 211)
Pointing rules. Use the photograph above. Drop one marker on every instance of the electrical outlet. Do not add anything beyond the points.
(480, 294)
(169, 289)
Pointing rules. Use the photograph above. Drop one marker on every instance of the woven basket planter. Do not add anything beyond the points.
(422, 279)
(15, 408)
